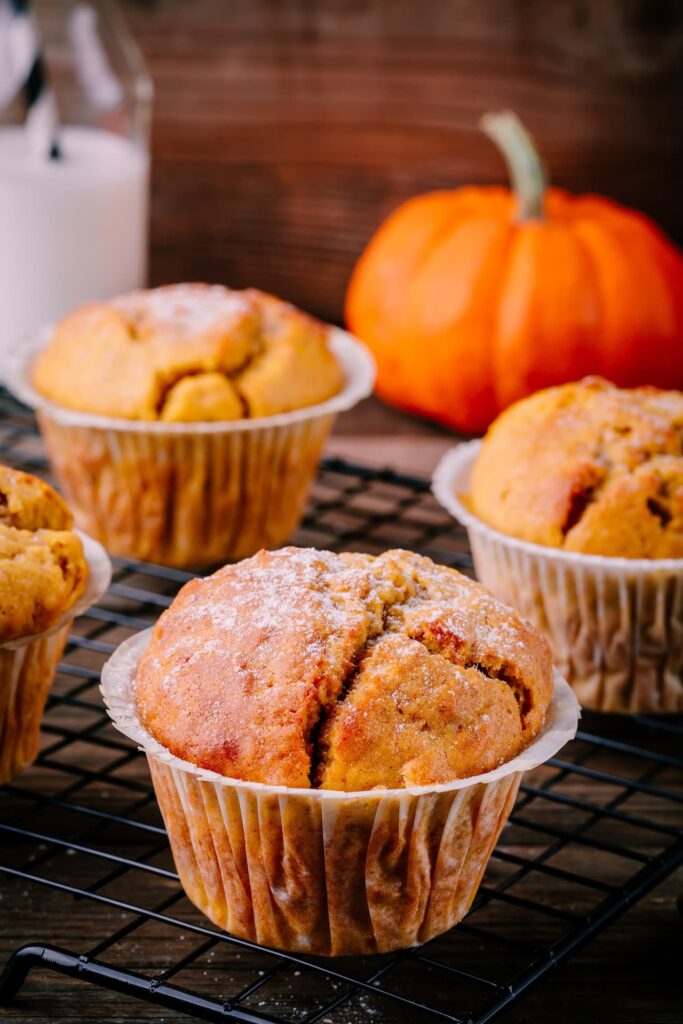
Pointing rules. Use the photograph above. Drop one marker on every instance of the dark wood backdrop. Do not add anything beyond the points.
(284, 130)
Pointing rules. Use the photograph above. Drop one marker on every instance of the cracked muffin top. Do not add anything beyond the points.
(43, 570)
(587, 467)
(342, 671)
(188, 352)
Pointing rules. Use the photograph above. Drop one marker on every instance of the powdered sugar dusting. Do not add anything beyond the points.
(244, 616)
(186, 308)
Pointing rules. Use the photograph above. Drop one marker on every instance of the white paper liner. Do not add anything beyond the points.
(27, 669)
(190, 494)
(323, 871)
(615, 625)
(26, 675)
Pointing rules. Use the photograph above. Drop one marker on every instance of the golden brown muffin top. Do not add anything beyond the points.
(587, 467)
(188, 353)
(43, 571)
(342, 671)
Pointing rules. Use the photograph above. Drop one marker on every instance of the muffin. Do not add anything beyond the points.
(43, 570)
(188, 353)
(43, 573)
(185, 423)
(586, 482)
(587, 467)
(336, 742)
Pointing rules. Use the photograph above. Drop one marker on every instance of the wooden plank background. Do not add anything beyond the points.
(284, 130)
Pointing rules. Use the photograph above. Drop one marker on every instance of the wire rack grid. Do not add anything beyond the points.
(85, 864)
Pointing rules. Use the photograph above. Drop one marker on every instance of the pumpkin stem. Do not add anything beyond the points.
(527, 173)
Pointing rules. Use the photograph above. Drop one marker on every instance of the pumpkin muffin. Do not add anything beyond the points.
(188, 352)
(304, 668)
(43, 570)
(185, 423)
(336, 742)
(587, 467)
(574, 508)
(43, 573)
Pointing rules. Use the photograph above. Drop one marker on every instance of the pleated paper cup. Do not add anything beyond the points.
(27, 670)
(326, 872)
(190, 494)
(615, 625)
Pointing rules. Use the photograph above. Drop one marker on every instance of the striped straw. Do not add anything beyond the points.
(41, 108)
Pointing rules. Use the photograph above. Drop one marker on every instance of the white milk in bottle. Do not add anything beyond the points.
(71, 230)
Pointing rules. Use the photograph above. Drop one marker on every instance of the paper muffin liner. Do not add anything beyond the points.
(615, 625)
(27, 670)
(326, 872)
(190, 494)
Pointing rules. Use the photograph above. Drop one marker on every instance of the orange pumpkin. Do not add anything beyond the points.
(473, 298)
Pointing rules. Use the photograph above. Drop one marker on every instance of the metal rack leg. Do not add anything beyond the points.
(17, 968)
(131, 984)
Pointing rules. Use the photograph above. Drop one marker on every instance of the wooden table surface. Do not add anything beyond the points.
(630, 974)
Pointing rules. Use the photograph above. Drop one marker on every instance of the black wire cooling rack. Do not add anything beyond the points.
(87, 880)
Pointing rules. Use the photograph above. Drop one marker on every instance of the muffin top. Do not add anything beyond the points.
(587, 467)
(188, 352)
(43, 570)
(342, 671)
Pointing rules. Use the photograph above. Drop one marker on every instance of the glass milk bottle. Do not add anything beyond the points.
(73, 214)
